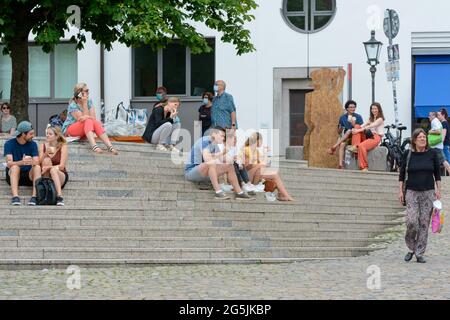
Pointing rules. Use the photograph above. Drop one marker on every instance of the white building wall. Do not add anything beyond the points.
(249, 77)
(89, 70)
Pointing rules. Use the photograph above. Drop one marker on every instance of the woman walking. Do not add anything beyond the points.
(423, 186)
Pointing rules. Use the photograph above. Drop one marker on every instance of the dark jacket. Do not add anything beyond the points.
(205, 117)
(156, 120)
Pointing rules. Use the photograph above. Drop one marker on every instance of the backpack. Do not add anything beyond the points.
(45, 191)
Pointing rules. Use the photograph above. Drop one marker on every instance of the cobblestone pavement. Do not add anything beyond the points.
(332, 279)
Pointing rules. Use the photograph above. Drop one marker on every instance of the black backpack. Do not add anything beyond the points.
(45, 191)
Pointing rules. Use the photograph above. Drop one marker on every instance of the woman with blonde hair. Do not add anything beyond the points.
(82, 122)
(164, 125)
(53, 156)
(255, 162)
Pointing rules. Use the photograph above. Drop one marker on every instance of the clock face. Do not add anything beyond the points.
(395, 25)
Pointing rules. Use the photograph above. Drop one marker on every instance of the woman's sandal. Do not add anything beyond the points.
(96, 149)
(331, 150)
(113, 150)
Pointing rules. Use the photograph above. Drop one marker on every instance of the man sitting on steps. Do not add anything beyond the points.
(205, 163)
(22, 159)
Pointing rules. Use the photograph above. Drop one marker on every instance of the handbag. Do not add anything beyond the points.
(368, 133)
(434, 139)
(270, 185)
(406, 178)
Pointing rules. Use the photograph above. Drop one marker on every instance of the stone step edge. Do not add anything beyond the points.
(26, 264)
(212, 219)
(239, 238)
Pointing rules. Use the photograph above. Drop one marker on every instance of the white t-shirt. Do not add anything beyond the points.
(437, 125)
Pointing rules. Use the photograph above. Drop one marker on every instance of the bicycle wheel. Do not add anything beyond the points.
(390, 160)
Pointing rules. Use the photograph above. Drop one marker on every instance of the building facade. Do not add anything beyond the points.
(292, 38)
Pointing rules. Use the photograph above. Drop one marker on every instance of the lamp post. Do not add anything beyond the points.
(373, 49)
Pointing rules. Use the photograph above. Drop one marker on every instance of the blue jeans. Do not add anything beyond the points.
(447, 153)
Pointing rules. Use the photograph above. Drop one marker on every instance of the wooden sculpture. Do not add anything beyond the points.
(322, 111)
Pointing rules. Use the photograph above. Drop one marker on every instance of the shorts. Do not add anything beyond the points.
(24, 179)
(194, 175)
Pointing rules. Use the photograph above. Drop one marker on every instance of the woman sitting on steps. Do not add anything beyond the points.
(53, 156)
(368, 136)
(82, 122)
(256, 165)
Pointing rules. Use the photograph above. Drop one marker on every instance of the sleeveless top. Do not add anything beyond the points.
(56, 159)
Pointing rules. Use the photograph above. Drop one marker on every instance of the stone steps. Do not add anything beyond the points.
(136, 208)
(187, 232)
(94, 254)
(173, 242)
(18, 222)
(222, 214)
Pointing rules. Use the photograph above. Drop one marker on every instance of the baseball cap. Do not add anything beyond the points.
(23, 127)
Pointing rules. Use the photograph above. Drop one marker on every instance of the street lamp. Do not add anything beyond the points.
(373, 49)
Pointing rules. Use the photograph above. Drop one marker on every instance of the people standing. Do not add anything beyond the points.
(9, 122)
(443, 118)
(205, 111)
(82, 122)
(368, 136)
(349, 120)
(22, 160)
(423, 186)
(161, 96)
(437, 130)
(161, 128)
(53, 155)
(223, 110)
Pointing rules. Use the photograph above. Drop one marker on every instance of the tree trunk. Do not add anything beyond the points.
(19, 79)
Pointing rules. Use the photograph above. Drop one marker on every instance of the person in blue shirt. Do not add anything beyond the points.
(58, 120)
(223, 110)
(206, 162)
(22, 158)
(349, 120)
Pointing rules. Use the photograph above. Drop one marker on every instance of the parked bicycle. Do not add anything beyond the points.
(396, 148)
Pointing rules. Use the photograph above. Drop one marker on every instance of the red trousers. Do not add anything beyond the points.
(81, 129)
(364, 146)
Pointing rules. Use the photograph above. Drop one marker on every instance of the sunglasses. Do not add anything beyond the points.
(6, 108)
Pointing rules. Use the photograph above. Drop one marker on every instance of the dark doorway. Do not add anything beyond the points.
(297, 126)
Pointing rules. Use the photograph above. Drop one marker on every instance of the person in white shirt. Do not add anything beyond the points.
(436, 129)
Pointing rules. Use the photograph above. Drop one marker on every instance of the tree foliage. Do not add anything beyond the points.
(132, 22)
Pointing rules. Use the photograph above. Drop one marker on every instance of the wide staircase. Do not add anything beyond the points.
(136, 208)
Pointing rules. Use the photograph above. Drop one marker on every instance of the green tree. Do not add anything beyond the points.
(152, 22)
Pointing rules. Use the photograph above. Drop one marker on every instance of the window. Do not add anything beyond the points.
(174, 67)
(58, 68)
(308, 15)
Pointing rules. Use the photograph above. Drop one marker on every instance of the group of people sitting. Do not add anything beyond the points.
(26, 161)
(358, 136)
(216, 154)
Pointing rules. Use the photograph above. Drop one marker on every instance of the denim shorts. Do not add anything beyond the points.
(194, 175)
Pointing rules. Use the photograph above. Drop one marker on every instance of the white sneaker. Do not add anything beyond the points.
(173, 148)
(226, 187)
(259, 187)
(161, 147)
(248, 187)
